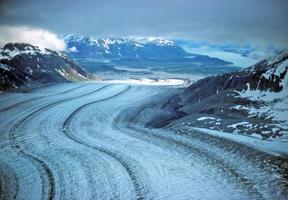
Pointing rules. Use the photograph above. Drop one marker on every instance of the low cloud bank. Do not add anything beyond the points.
(35, 36)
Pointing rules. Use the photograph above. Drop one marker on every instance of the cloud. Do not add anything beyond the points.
(35, 36)
(260, 22)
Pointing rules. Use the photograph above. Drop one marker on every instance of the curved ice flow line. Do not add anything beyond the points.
(89, 171)
(120, 158)
(35, 159)
(41, 97)
(219, 163)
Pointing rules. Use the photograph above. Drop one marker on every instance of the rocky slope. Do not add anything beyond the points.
(253, 101)
(24, 65)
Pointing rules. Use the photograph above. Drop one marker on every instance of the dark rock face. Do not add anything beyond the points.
(217, 97)
(10, 79)
(234, 81)
(22, 65)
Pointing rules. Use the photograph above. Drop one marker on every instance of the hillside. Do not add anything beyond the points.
(24, 65)
(253, 101)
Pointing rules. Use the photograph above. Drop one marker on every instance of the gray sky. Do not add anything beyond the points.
(224, 21)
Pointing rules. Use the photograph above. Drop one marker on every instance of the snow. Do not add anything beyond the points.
(156, 40)
(73, 49)
(237, 107)
(268, 74)
(7, 54)
(205, 118)
(30, 71)
(274, 104)
(80, 75)
(61, 72)
(276, 59)
(269, 146)
(146, 81)
(258, 95)
(5, 67)
(107, 42)
(236, 58)
(138, 45)
(275, 111)
(278, 71)
(240, 124)
(91, 151)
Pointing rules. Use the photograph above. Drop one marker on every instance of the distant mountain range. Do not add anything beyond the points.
(24, 65)
(156, 53)
(113, 48)
(252, 101)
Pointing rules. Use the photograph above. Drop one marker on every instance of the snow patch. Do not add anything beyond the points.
(4, 66)
(269, 146)
(8, 54)
(205, 118)
(159, 82)
(239, 124)
(73, 49)
(62, 72)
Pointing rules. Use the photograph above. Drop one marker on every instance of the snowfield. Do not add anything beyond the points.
(148, 81)
(80, 141)
(275, 147)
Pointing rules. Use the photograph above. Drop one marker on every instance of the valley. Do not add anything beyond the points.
(85, 141)
(143, 100)
(141, 128)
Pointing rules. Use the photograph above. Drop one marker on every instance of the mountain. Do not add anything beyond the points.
(154, 54)
(252, 101)
(24, 65)
(112, 48)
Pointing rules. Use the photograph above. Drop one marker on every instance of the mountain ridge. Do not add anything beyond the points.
(253, 100)
(83, 46)
(157, 54)
(26, 65)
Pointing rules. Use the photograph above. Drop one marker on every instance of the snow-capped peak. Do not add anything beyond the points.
(73, 37)
(11, 50)
(125, 47)
(111, 41)
(156, 40)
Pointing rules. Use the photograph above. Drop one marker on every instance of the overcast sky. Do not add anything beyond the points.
(217, 21)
